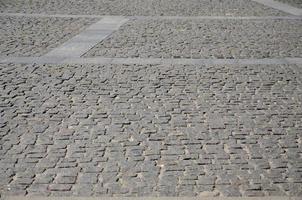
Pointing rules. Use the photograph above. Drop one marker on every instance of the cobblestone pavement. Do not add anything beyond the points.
(24, 36)
(295, 3)
(204, 39)
(151, 130)
(139, 7)
(138, 129)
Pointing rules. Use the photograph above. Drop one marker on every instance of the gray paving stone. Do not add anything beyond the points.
(196, 39)
(81, 43)
(59, 187)
(295, 3)
(95, 145)
(140, 7)
(25, 36)
(281, 6)
(88, 178)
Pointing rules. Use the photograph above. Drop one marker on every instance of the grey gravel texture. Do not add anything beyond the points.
(295, 3)
(203, 39)
(139, 7)
(24, 36)
(148, 130)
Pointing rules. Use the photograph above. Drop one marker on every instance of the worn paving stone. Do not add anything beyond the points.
(295, 3)
(228, 39)
(151, 130)
(25, 36)
(140, 7)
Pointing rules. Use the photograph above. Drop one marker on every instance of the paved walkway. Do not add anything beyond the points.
(173, 98)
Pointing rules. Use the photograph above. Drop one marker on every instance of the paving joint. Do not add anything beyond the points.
(155, 17)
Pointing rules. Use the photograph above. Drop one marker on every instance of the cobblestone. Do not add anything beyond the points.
(24, 36)
(139, 7)
(221, 39)
(148, 130)
(295, 3)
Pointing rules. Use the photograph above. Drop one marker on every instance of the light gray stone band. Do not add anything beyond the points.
(156, 17)
(144, 61)
(49, 15)
(281, 6)
(220, 17)
(81, 43)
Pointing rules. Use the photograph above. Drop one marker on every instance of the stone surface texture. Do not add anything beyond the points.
(295, 3)
(140, 7)
(204, 39)
(187, 98)
(25, 36)
(151, 130)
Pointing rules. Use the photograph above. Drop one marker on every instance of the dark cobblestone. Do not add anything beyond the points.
(139, 7)
(295, 3)
(172, 130)
(203, 39)
(24, 36)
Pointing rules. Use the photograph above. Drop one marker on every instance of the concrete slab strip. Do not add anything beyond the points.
(281, 6)
(48, 15)
(144, 61)
(218, 17)
(294, 61)
(81, 43)
(157, 17)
